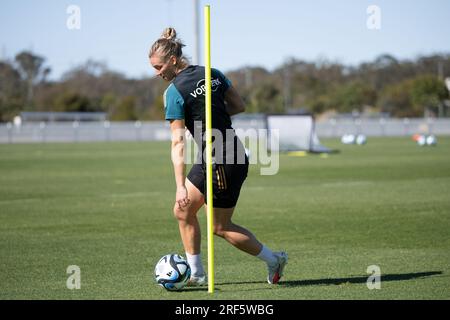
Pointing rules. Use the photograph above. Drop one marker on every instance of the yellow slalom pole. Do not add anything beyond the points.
(208, 118)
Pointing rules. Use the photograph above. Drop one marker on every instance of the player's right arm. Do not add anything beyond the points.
(174, 112)
(177, 154)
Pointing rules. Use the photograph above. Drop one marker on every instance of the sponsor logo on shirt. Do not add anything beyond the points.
(200, 89)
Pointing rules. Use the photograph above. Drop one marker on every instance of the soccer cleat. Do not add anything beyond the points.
(197, 281)
(276, 271)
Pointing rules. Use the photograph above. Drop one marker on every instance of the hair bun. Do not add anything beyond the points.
(169, 33)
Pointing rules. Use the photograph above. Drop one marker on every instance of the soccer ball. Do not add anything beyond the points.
(348, 139)
(431, 140)
(361, 139)
(422, 140)
(172, 272)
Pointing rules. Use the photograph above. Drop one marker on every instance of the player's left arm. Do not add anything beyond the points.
(177, 128)
(233, 101)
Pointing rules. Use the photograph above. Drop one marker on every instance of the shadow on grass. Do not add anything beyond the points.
(339, 281)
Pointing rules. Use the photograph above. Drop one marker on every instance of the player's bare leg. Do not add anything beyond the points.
(187, 219)
(244, 240)
(190, 232)
(236, 235)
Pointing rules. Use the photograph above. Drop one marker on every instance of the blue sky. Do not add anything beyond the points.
(245, 32)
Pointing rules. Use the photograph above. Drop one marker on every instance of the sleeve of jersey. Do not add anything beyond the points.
(226, 82)
(173, 104)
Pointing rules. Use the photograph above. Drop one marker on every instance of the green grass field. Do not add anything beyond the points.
(107, 208)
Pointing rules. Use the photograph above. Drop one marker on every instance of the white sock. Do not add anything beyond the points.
(195, 262)
(267, 255)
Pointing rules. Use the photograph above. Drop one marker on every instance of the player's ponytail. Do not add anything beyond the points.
(169, 33)
(168, 45)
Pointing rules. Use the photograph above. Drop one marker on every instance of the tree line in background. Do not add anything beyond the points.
(399, 88)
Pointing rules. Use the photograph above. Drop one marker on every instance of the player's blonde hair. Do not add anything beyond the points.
(169, 45)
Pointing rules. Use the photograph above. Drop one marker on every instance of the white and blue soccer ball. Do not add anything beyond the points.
(431, 140)
(172, 272)
(422, 140)
(348, 139)
(361, 139)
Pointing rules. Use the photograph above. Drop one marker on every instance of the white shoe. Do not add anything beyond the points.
(276, 271)
(197, 281)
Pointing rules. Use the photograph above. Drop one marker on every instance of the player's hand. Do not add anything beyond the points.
(182, 197)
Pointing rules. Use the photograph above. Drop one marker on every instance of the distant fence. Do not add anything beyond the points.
(159, 130)
(383, 127)
(84, 131)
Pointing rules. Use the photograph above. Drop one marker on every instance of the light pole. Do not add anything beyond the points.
(196, 33)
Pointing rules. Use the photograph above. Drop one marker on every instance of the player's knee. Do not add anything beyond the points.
(219, 230)
(180, 214)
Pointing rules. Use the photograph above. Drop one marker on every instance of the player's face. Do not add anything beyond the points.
(164, 69)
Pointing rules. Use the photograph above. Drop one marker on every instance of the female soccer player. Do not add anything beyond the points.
(184, 104)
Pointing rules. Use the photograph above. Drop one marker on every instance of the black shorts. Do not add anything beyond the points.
(227, 182)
